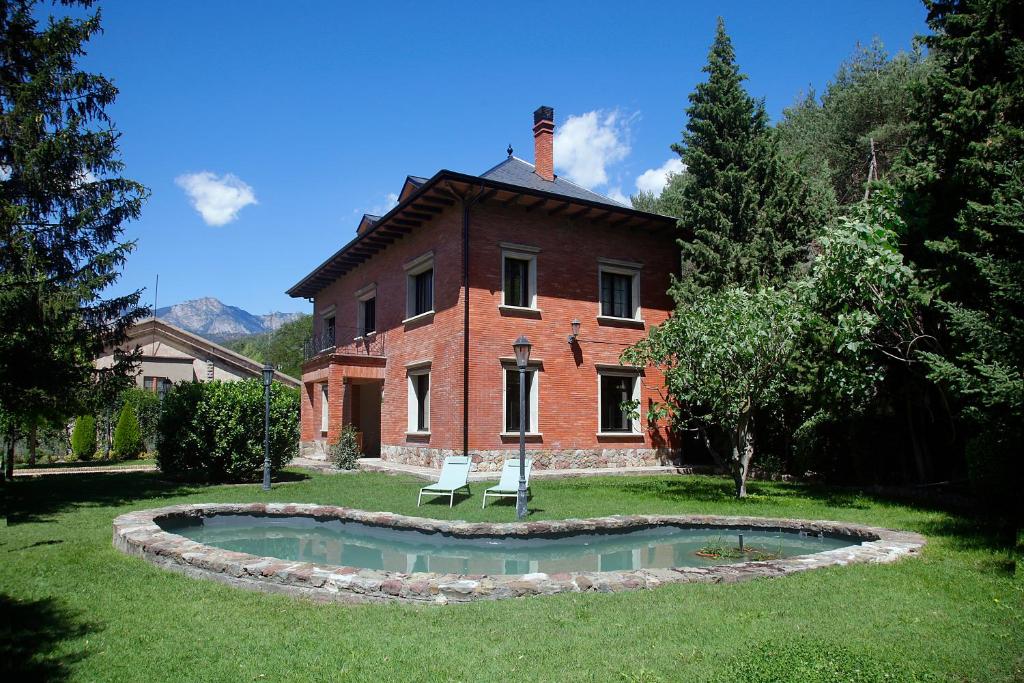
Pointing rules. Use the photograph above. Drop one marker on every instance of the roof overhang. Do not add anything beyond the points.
(445, 189)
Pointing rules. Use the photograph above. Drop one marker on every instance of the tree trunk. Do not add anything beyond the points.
(743, 449)
(9, 458)
(33, 441)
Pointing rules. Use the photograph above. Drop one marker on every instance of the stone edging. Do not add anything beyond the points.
(137, 533)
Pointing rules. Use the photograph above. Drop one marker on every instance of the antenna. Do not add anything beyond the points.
(156, 293)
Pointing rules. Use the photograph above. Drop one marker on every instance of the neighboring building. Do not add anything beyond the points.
(414, 321)
(171, 354)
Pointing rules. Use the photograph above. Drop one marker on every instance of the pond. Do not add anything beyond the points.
(355, 544)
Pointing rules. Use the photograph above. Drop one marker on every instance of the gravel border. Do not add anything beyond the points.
(137, 533)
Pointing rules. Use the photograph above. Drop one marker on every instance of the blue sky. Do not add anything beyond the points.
(286, 121)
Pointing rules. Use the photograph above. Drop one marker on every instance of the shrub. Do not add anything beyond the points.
(83, 438)
(344, 452)
(146, 405)
(127, 435)
(213, 431)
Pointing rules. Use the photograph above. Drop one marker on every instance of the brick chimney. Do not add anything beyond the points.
(543, 142)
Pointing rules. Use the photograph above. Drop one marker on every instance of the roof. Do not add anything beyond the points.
(515, 171)
(150, 325)
(512, 182)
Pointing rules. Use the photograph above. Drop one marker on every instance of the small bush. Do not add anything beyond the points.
(83, 438)
(146, 405)
(213, 431)
(344, 452)
(127, 435)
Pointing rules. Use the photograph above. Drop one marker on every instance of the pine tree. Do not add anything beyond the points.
(746, 217)
(62, 206)
(83, 438)
(963, 188)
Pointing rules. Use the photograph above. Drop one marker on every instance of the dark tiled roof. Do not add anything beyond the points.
(515, 171)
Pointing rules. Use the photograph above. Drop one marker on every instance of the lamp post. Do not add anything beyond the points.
(522, 349)
(268, 376)
(575, 331)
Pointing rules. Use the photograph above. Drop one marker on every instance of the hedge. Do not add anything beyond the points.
(127, 435)
(83, 438)
(213, 431)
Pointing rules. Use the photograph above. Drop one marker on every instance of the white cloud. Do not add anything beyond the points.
(616, 194)
(390, 202)
(587, 144)
(655, 179)
(218, 199)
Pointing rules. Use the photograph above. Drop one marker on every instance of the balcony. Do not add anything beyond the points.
(345, 342)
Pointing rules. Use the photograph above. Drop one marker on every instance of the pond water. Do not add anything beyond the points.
(347, 543)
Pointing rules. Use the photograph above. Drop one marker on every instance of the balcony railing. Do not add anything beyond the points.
(346, 342)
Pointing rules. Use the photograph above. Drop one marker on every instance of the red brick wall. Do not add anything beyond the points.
(567, 284)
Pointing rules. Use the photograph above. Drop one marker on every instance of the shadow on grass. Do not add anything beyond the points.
(29, 635)
(38, 498)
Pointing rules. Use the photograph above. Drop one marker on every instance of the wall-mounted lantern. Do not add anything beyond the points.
(575, 331)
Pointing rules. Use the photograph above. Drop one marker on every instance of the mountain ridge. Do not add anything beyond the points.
(209, 317)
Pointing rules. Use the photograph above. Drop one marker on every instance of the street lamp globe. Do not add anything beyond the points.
(522, 348)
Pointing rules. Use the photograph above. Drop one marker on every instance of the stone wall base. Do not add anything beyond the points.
(543, 459)
(313, 450)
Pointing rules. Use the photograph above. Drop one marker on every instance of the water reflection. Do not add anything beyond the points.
(337, 542)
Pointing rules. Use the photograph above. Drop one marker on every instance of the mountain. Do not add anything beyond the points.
(210, 318)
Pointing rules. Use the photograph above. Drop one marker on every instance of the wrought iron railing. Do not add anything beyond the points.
(344, 341)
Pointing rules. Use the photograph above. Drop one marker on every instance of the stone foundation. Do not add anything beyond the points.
(543, 459)
(137, 533)
(314, 450)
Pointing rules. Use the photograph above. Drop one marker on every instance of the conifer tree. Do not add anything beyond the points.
(746, 217)
(963, 190)
(127, 434)
(62, 206)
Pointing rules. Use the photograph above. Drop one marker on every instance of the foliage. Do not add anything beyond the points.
(213, 431)
(281, 347)
(723, 356)
(344, 452)
(146, 406)
(128, 435)
(669, 202)
(83, 438)
(746, 216)
(62, 207)
(867, 107)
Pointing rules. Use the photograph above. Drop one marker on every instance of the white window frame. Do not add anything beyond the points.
(325, 414)
(533, 398)
(412, 371)
(362, 295)
(629, 268)
(523, 252)
(620, 371)
(412, 268)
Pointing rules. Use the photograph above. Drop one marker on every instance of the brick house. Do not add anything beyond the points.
(414, 321)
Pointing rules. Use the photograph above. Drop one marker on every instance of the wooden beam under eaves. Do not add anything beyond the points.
(434, 199)
(559, 209)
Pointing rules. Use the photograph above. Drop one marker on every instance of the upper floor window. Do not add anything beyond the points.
(420, 285)
(619, 289)
(519, 276)
(366, 310)
(158, 385)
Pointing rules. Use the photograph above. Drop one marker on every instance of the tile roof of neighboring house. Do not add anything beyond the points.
(515, 171)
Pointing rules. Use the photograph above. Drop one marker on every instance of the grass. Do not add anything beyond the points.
(75, 609)
(66, 464)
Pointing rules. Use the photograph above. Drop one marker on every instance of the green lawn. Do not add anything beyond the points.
(82, 611)
(66, 464)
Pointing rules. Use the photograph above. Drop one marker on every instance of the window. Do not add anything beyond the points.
(518, 275)
(158, 385)
(619, 284)
(420, 285)
(512, 400)
(615, 389)
(324, 409)
(327, 338)
(369, 312)
(419, 400)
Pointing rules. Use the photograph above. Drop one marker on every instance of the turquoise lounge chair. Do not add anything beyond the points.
(454, 477)
(508, 487)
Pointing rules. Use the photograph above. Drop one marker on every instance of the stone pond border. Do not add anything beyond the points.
(137, 533)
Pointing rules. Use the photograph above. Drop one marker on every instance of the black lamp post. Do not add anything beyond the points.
(268, 376)
(575, 331)
(522, 349)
